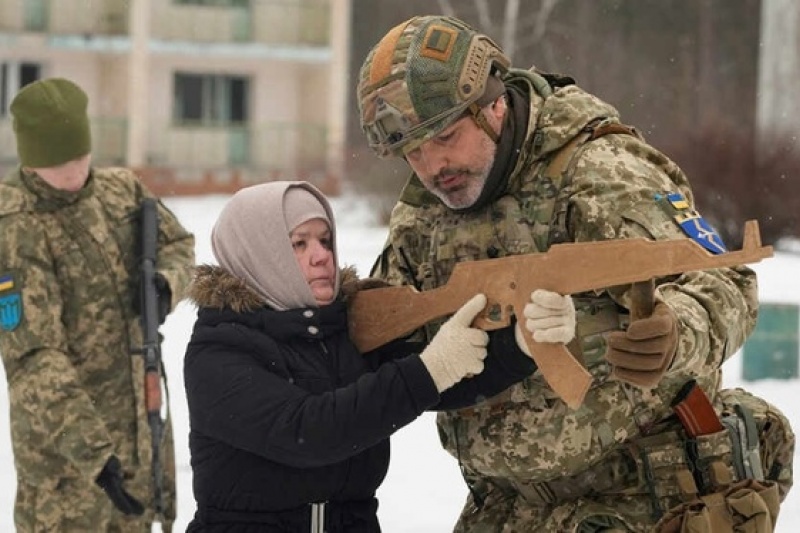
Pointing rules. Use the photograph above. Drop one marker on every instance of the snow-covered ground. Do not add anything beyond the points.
(423, 491)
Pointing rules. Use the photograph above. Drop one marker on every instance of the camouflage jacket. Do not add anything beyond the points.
(618, 187)
(69, 329)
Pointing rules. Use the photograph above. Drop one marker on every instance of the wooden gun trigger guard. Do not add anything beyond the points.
(494, 316)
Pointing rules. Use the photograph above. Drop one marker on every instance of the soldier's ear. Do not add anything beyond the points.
(500, 106)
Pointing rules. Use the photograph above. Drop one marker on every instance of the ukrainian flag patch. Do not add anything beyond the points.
(678, 201)
(10, 302)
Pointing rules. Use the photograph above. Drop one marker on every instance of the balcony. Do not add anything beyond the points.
(264, 147)
(269, 23)
(296, 23)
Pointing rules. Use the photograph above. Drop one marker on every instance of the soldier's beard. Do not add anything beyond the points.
(467, 193)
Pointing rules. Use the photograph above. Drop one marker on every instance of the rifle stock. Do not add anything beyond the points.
(378, 316)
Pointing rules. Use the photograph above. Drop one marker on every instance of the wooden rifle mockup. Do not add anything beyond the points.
(378, 316)
(152, 344)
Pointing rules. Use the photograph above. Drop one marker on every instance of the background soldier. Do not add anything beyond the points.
(70, 328)
(508, 161)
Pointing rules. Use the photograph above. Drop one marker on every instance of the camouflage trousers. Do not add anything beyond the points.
(72, 506)
(651, 483)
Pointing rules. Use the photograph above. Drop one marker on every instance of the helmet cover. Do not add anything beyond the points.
(420, 78)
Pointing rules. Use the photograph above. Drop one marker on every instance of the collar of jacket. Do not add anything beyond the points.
(222, 297)
(306, 324)
(48, 198)
(214, 287)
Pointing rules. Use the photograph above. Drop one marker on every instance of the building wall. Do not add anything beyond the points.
(281, 46)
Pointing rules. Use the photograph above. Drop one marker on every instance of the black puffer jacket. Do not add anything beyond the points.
(284, 411)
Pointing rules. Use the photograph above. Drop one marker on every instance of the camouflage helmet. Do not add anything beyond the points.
(421, 77)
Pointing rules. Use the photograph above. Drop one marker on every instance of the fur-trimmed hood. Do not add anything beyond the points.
(214, 287)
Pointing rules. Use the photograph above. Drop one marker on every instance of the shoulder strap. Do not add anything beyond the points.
(561, 168)
(12, 200)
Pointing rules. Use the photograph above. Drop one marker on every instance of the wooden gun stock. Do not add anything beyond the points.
(380, 315)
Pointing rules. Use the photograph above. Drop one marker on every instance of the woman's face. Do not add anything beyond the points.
(313, 248)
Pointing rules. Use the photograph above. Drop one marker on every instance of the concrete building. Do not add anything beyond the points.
(195, 94)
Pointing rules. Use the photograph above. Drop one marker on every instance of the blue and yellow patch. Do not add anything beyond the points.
(678, 201)
(10, 303)
(691, 222)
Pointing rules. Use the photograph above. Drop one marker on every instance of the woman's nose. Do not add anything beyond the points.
(319, 253)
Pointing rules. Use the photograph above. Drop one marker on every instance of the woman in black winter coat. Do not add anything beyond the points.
(290, 424)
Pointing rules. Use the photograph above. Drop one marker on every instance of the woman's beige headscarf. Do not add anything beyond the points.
(251, 239)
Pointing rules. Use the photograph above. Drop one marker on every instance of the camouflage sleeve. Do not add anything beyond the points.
(175, 245)
(614, 195)
(48, 406)
(175, 252)
(400, 259)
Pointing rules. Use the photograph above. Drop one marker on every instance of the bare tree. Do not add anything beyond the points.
(509, 38)
(534, 26)
(479, 7)
(446, 8)
(484, 15)
(518, 27)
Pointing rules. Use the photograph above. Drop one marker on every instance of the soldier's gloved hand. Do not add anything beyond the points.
(110, 480)
(642, 354)
(549, 316)
(163, 298)
(457, 350)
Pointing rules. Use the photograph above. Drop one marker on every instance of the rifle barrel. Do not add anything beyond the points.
(152, 346)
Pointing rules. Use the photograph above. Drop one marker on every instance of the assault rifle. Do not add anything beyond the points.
(152, 345)
(380, 315)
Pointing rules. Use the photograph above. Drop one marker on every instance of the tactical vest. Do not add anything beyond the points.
(595, 315)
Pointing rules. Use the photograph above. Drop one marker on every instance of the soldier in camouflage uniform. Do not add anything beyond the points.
(508, 161)
(70, 326)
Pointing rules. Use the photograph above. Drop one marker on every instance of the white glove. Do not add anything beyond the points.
(457, 350)
(550, 317)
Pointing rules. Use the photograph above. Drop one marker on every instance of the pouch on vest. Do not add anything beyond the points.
(738, 475)
(748, 506)
(757, 444)
(776, 440)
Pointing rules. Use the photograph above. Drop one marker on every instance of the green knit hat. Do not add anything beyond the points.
(51, 123)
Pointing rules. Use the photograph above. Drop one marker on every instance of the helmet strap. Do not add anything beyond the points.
(480, 120)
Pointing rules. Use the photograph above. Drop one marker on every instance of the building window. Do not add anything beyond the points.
(210, 100)
(13, 77)
(218, 3)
